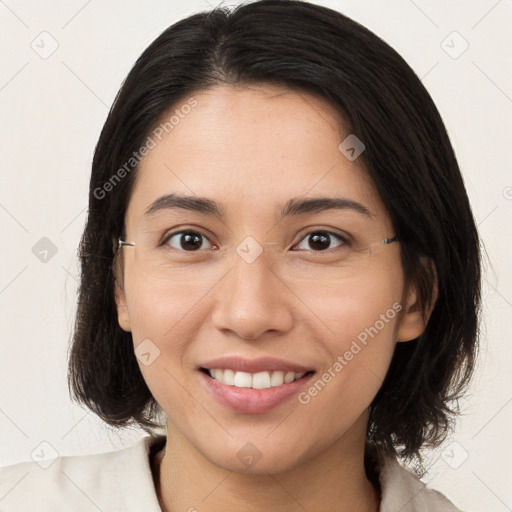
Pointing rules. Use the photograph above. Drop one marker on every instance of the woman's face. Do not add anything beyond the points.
(254, 283)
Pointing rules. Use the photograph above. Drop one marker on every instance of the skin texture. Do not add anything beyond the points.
(253, 148)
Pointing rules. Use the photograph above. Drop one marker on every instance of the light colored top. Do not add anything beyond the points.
(122, 481)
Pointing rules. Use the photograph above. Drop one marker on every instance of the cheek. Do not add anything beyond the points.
(162, 321)
(157, 308)
(362, 335)
(344, 308)
(359, 323)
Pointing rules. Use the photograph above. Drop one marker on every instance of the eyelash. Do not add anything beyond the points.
(345, 241)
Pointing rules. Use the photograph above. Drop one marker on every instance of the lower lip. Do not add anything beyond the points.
(253, 401)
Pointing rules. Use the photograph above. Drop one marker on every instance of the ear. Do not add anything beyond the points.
(123, 317)
(414, 320)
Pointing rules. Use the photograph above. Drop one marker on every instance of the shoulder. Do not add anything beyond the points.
(402, 490)
(117, 480)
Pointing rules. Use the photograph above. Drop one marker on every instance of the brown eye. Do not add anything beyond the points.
(320, 240)
(187, 240)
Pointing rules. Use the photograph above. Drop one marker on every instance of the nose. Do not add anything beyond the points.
(252, 300)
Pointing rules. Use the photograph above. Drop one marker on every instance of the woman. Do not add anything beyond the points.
(280, 258)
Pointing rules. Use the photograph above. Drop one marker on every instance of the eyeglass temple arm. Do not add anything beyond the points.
(390, 240)
(121, 242)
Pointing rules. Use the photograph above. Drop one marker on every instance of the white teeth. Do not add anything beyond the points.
(289, 376)
(228, 377)
(277, 378)
(242, 379)
(260, 380)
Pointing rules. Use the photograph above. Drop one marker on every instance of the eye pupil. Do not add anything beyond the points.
(319, 239)
(190, 240)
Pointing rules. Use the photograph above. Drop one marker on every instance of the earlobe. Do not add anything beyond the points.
(411, 324)
(414, 319)
(123, 317)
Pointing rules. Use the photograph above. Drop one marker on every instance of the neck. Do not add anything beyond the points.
(333, 480)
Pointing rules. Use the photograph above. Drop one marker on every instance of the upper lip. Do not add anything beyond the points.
(261, 364)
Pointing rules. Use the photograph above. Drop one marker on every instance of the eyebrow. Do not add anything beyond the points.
(295, 206)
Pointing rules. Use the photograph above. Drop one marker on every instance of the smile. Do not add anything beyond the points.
(248, 399)
(260, 380)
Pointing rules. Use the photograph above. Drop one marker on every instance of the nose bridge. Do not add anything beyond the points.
(253, 298)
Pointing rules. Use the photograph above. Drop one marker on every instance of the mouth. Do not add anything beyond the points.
(252, 393)
(258, 380)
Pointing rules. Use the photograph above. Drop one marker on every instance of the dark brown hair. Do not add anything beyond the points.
(408, 157)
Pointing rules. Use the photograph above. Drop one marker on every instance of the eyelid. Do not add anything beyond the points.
(307, 230)
(187, 227)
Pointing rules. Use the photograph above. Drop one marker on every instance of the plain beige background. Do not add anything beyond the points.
(62, 64)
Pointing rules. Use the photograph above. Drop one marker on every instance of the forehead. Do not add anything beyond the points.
(252, 148)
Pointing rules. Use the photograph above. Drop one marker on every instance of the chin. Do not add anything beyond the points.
(250, 460)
